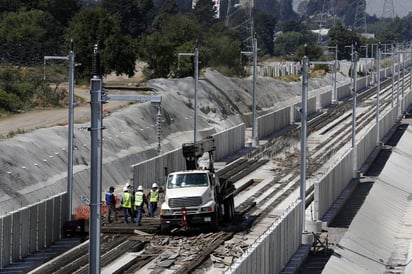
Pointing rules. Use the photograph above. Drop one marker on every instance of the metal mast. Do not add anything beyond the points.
(360, 18)
(388, 9)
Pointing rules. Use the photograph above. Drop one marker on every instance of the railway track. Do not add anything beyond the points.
(143, 250)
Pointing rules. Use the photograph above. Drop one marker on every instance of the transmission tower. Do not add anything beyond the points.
(360, 17)
(240, 16)
(388, 9)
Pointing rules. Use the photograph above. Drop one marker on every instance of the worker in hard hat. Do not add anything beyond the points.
(139, 201)
(132, 193)
(153, 199)
(126, 201)
(111, 204)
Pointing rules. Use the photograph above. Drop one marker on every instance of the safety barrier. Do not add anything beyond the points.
(272, 122)
(311, 108)
(31, 228)
(273, 249)
(334, 180)
(325, 99)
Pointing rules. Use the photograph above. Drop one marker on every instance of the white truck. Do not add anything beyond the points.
(196, 197)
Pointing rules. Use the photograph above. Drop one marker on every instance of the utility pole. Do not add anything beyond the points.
(96, 90)
(393, 71)
(335, 66)
(98, 96)
(367, 63)
(255, 138)
(70, 58)
(378, 90)
(355, 59)
(303, 136)
(196, 68)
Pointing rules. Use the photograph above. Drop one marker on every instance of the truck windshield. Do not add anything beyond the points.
(187, 180)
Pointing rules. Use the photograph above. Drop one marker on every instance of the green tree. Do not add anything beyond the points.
(26, 36)
(287, 43)
(311, 50)
(167, 9)
(9, 102)
(61, 10)
(205, 12)
(96, 25)
(160, 48)
(341, 36)
(286, 11)
(264, 27)
(133, 14)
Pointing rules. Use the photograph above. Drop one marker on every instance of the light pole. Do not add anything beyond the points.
(196, 68)
(70, 58)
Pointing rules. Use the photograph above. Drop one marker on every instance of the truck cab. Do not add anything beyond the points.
(195, 196)
(190, 199)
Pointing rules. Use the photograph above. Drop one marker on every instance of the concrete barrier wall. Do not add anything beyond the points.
(364, 147)
(273, 249)
(311, 108)
(386, 122)
(330, 185)
(344, 91)
(155, 169)
(278, 69)
(272, 122)
(31, 228)
(362, 83)
(229, 141)
(325, 99)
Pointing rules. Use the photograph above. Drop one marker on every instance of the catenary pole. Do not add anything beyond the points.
(303, 137)
(354, 98)
(70, 58)
(96, 164)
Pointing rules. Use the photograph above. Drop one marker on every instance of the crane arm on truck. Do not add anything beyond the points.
(193, 151)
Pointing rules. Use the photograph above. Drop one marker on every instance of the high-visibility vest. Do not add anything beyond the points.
(154, 196)
(127, 200)
(138, 201)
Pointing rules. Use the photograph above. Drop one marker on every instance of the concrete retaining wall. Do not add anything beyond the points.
(311, 108)
(31, 228)
(273, 249)
(331, 184)
(344, 91)
(362, 83)
(272, 122)
(325, 99)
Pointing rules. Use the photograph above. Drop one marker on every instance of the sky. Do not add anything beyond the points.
(401, 7)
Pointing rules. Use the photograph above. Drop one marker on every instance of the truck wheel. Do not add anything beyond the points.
(164, 229)
(215, 222)
(229, 209)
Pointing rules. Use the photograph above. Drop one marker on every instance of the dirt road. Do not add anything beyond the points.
(24, 122)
